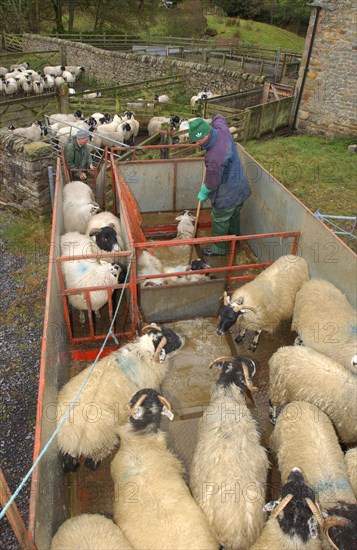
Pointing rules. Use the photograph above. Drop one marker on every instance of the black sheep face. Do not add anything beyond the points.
(148, 415)
(174, 341)
(345, 537)
(227, 318)
(105, 238)
(296, 518)
(232, 372)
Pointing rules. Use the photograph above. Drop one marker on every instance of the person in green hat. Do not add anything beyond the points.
(226, 183)
(77, 155)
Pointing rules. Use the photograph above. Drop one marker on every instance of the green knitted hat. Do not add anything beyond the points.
(198, 129)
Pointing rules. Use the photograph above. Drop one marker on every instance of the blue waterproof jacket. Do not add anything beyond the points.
(224, 172)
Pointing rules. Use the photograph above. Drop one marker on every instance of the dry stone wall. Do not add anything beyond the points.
(24, 165)
(328, 104)
(110, 68)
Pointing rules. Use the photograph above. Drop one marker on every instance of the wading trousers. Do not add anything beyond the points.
(224, 222)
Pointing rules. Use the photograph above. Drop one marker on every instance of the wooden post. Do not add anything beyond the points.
(247, 125)
(63, 98)
(14, 517)
(276, 114)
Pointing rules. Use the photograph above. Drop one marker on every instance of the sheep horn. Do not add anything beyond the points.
(131, 410)
(146, 328)
(226, 298)
(281, 505)
(333, 521)
(159, 348)
(164, 401)
(314, 507)
(247, 378)
(219, 359)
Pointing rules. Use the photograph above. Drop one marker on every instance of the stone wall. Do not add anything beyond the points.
(24, 165)
(110, 68)
(328, 104)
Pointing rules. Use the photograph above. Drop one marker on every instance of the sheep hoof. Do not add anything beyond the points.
(91, 464)
(69, 463)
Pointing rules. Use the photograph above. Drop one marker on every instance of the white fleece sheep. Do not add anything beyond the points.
(78, 206)
(298, 373)
(305, 438)
(147, 264)
(76, 69)
(294, 519)
(89, 532)
(109, 387)
(161, 515)
(326, 322)
(68, 119)
(33, 132)
(264, 302)
(104, 219)
(54, 71)
(185, 230)
(155, 123)
(229, 468)
(351, 463)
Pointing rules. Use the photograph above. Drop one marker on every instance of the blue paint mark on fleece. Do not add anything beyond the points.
(128, 366)
(353, 329)
(82, 268)
(331, 486)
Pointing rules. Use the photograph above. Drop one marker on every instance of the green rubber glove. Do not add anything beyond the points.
(204, 193)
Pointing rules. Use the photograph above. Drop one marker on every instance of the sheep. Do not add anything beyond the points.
(304, 437)
(77, 191)
(98, 116)
(351, 464)
(169, 517)
(109, 139)
(340, 528)
(33, 132)
(66, 119)
(109, 126)
(3, 71)
(264, 302)
(229, 459)
(155, 123)
(130, 129)
(77, 70)
(163, 98)
(89, 532)
(54, 71)
(147, 264)
(293, 520)
(23, 65)
(25, 84)
(69, 77)
(11, 86)
(326, 322)
(76, 215)
(91, 95)
(103, 220)
(112, 382)
(302, 374)
(37, 86)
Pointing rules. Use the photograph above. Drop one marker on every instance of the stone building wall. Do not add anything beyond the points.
(110, 68)
(24, 183)
(328, 103)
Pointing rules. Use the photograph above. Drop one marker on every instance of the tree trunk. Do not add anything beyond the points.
(71, 5)
(57, 6)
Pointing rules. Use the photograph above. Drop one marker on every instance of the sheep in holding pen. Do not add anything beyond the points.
(155, 123)
(89, 532)
(33, 132)
(185, 230)
(304, 436)
(78, 206)
(298, 373)
(294, 518)
(262, 304)
(86, 273)
(109, 387)
(229, 468)
(54, 71)
(105, 220)
(326, 322)
(169, 516)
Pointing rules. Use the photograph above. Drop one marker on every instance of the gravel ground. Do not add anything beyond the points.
(20, 344)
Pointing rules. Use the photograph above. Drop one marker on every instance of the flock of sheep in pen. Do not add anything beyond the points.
(312, 390)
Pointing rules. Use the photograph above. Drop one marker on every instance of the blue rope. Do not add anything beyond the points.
(46, 447)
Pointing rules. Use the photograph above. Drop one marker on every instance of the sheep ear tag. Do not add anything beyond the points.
(312, 523)
(166, 412)
(162, 355)
(139, 412)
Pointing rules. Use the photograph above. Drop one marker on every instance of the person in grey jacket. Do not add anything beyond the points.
(226, 183)
(77, 156)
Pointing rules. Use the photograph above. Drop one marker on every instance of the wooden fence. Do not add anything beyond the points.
(23, 111)
(37, 60)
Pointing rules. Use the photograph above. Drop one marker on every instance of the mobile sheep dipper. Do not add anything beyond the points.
(146, 195)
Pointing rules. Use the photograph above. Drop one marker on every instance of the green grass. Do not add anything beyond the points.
(259, 34)
(319, 171)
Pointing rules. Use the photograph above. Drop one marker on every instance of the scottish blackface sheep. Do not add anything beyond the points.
(103, 220)
(169, 517)
(298, 373)
(326, 322)
(89, 532)
(262, 304)
(294, 520)
(112, 382)
(78, 206)
(229, 468)
(304, 437)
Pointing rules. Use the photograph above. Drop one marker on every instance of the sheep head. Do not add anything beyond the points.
(236, 370)
(146, 408)
(186, 214)
(230, 312)
(105, 238)
(174, 341)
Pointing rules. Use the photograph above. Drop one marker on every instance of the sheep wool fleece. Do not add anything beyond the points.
(77, 156)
